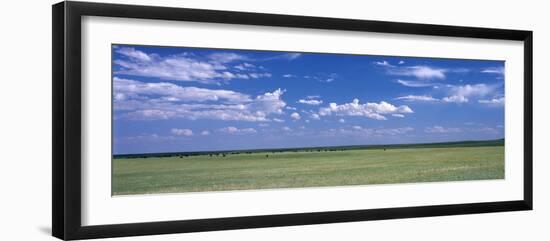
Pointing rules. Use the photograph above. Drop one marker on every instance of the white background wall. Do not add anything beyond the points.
(25, 123)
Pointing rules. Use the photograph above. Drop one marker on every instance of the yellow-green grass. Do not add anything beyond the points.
(244, 171)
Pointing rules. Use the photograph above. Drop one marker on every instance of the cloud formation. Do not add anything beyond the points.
(285, 56)
(153, 101)
(383, 63)
(463, 93)
(132, 89)
(183, 67)
(310, 100)
(420, 72)
(225, 57)
(237, 131)
(370, 110)
(245, 66)
(493, 70)
(415, 83)
(292, 56)
(359, 131)
(295, 116)
(423, 74)
(181, 132)
(417, 98)
(315, 116)
(494, 101)
(441, 129)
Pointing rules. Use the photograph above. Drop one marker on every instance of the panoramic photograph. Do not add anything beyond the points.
(187, 119)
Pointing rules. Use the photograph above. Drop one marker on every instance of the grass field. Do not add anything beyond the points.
(306, 168)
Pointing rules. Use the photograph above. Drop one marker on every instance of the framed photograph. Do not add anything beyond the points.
(172, 120)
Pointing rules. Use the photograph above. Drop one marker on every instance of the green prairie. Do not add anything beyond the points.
(305, 168)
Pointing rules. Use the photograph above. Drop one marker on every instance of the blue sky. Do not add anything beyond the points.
(174, 99)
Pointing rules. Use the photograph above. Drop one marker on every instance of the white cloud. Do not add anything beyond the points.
(359, 131)
(342, 120)
(441, 129)
(133, 53)
(139, 100)
(289, 76)
(224, 57)
(420, 72)
(383, 63)
(327, 79)
(278, 120)
(455, 99)
(324, 78)
(315, 116)
(295, 116)
(152, 114)
(493, 70)
(292, 56)
(398, 115)
(244, 66)
(259, 75)
(401, 62)
(473, 90)
(237, 131)
(415, 84)
(286, 128)
(181, 132)
(411, 98)
(175, 68)
(494, 101)
(126, 88)
(310, 101)
(257, 109)
(370, 110)
(285, 56)
(270, 102)
(462, 93)
(184, 67)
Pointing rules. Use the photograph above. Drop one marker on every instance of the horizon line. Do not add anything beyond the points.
(303, 147)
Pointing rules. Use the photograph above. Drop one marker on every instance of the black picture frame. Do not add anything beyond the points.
(66, 157)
